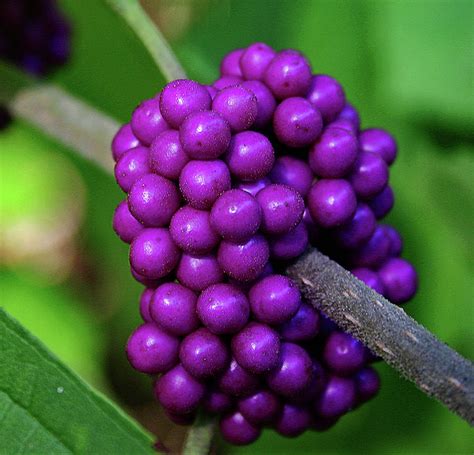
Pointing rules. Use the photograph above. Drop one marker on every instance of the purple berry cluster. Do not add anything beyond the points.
(226, 184)
(35, 36)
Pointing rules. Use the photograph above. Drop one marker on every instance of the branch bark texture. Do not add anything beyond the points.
(388, 331)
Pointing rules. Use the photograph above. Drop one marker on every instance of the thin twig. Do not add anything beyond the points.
(387, 330)
(151, 37)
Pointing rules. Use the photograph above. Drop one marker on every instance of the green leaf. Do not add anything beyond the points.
(45, 408)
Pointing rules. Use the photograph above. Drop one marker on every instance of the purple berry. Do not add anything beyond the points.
(199, 272)
(333, 155)
(369, 175)
(236, 216)
(358, 230)
(173, 308)
(147, 121)
(331, 203)
(296, 122)
(205, 135)
(237, 105)
(260, 408)
(382, 202)
(378, 141)
(151, 350)
(266, 103)
(237, 430)
(181, 98)
(292, 172)
(245, 261)
(123, 141)
(203, 354)
(256, 348)
(192, 232)
(145, 301)
(147, 282)
(304, 325)
(254, 187)
(274, 299)
(396, 241)
(255, 60)
(293, 420)
(250, 156)
(367, 384)
(131, 166)
(216, 402)
(290, 245)
(350, 114)
(230, 64)
(153, 200)
(227, 81)
(124, 223)
(237, 381)
(370, 278)
(338, 397)
(399, 279)
(374, 251)
(153, 253)
(178, 391)
(166, 156)
(343, 354)
(288, 74)
(327, 95)
(223, 309)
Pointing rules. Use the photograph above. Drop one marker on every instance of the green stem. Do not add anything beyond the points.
(152, 38)
(199, 438)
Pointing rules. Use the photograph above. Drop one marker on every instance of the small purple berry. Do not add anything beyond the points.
(399, 279)
(199, 272)
(293, 420)
(266, 103)
(374, 251)
(147, 121)
(123, 141)
(350, 114)
(230, 64)
(370, 278)
(255, 60)
(216, 402)
(378, 141)
(382, 203)
(132, 165)
(124, 223)
(396, 241)
(367, 384)
(167, 158)
(290, 245)
(338, 397)
(237, 430)
(260, 408)
(343, 354)
(145, 301)
(227, 81)
(304, 325)
(327, 95)
(358, 230)
(292, 172)
(237, 381)
(369, 175)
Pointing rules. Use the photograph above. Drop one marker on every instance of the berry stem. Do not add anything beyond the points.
(152, 38)
(436, 369)
(199, 437)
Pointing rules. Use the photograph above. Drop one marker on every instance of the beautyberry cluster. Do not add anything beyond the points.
(34, 36)
(226, 184)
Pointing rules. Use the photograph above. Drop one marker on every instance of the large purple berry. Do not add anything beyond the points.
(123, 141)
(147, 122)
(132, 165)
(199, 272)
(378, 141)
(369, 175)
(343, 354)
(255, 60)
(167, 157)
(292, 172)
(338, 397)
(260, 408)
(293, 420)
(327, 95)
(399, 279)
(124, 223)
(304, 325)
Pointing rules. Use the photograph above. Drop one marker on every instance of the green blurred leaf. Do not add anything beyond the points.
(45, 408)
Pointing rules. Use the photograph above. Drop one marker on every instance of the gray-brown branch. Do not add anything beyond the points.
(388, 331)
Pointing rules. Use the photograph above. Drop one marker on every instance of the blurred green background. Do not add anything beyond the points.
(406, 65)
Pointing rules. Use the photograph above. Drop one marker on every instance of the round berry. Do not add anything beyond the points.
(227, 81)
(314, 387)
(255, 60)
(223, 309)
(282, 208)
(237, 105)
(173, 308)
(130, 167)
(237, 430)
(145, 301)
(374, 251)
(230, 64)
(178, 391)
(123, 141)
(192, 232)
(153, 200)
(266, 103)
(350, 114)
(181, 98)
(274, 299)
(124, 223)
(237, 381)
(250, 156)
(343, 354)
(153, 253)
(166, 156)
(292, 172)
(288, 74)
(367, 384)
(147, 121)
(290, 245)
(260, 408)
(203, 354)
(293, 420)
(333, 155)
(254, 187)
(382, 203)
(331, 202)
(396, 241)
(327, 95)
(338, 397)
(216, 402)
(369, 175)
(358, 230)
(236, 215)
(378, 141)
(202, 182)
(204, 135)
(199, 272)
(151, 350)
(304, 325)
(244, 261)
(399, 279)
(147, 282)
(293, 372)
(369, 278)
(296, 122)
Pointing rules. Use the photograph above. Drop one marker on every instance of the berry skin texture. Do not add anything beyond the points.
(369, 176)
(338, 397)
(153, 200)
(237, 430)
(178, 391)
(167, 157)
(254, 187)
(350, 114)
(123, 141)
(181, 98)
(382, 203)
(153, 253)
(282, 208)
(202, 182)
(358, 230)
(147, 121)
(223, 309)
(367, 384)
(132, 165)
(256, 348)
(343, 354)
(292, 172)
(237, 381)
(274, 299)
(296, 122)
(327, 95)
(199, 272)
(237, 105)
(291, 245)
(145, 300)
(203, 354)
(124, 223)
(236, 216)
(255, 60)
(151, 350)
(261, 408)
(250, 156)
(293, 420)
(173, 308)
(304, 325)
(378, 141)
(204, 135)
(331, 203)
(374, 251)
(230, 64)
(399, 279)
(266, 103)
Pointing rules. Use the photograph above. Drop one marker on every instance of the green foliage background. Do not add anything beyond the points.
(406, 65)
